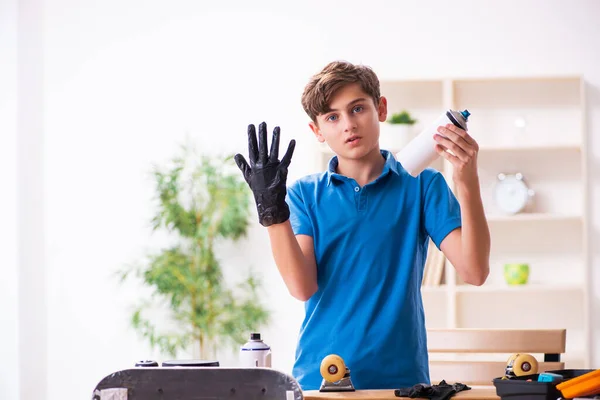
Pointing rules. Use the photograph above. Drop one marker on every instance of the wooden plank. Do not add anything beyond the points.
(496, 340)
(476, 372)
(476, 393)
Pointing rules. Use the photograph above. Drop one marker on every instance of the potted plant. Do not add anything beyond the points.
(200, 201)
(397, 131)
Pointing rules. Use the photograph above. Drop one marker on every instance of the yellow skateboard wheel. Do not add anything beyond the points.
(524, 364)
(511, 359)
(333, 368)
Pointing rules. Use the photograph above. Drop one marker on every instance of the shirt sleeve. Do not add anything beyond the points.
(299, 218)
(441, 210)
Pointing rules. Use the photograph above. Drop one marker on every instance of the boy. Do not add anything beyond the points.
(352, 242)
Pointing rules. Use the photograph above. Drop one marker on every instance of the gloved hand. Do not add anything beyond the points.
(266, 175)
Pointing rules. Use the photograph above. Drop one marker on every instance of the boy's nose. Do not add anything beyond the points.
(349, 124)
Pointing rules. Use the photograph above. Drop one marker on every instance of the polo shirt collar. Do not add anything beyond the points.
(391, 165)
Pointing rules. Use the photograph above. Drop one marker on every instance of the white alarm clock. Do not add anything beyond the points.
(511, 193)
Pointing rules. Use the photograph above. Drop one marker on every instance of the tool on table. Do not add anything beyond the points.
(520, 365)
(255, 352)
(584, 385)
(550, 377)
(336, 376)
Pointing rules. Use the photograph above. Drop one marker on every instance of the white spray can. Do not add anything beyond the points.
(420, 152)
(255, 353)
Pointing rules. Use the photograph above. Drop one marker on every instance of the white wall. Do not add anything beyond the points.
(31, 205)
(9, 371)
(125, 81)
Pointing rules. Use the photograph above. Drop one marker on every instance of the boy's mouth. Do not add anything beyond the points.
(352, 139)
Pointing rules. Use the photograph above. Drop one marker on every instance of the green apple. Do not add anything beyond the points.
(516, 273)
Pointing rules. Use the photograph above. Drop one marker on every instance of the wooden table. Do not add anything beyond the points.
(476, 393)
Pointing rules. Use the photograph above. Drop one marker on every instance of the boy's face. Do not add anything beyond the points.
(351, 128)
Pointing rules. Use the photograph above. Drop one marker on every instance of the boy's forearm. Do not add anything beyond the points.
(475, 233)
(298, 273)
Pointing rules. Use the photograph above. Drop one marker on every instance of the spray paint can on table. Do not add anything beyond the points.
(255, 353)
(420, 152)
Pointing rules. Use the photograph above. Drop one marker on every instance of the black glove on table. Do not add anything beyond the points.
(266, 175)
(443, 391)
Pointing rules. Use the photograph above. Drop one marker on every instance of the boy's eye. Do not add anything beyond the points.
(357, 109)
(332, 118)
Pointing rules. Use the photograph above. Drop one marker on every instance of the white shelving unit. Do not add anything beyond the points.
(535, 126)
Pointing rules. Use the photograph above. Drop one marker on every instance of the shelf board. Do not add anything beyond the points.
(324, 149)
(553, 288)
(529, 148)
(433, 288)
(518, 78)
(529, 217)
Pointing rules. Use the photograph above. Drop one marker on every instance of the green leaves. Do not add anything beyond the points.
(199, 200)
(166, 343)
(402, 117)
(202, 200)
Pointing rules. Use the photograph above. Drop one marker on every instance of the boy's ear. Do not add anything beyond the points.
(382, 109)
(315, 128)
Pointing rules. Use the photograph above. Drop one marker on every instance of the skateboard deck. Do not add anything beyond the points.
(476, 393)
(184, 383)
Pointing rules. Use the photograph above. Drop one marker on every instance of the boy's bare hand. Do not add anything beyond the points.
(463, 156)
(266, 175)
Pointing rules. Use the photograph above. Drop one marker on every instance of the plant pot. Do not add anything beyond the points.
(394, 137)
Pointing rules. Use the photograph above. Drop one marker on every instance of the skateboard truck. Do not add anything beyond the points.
(336, 376)
(520, 365)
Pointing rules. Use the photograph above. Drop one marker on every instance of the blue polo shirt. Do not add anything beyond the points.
(370, 247)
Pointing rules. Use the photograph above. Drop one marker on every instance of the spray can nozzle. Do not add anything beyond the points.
(465, 114)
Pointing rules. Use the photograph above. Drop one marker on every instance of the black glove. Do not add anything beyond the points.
(443, 391)
(266, 175)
